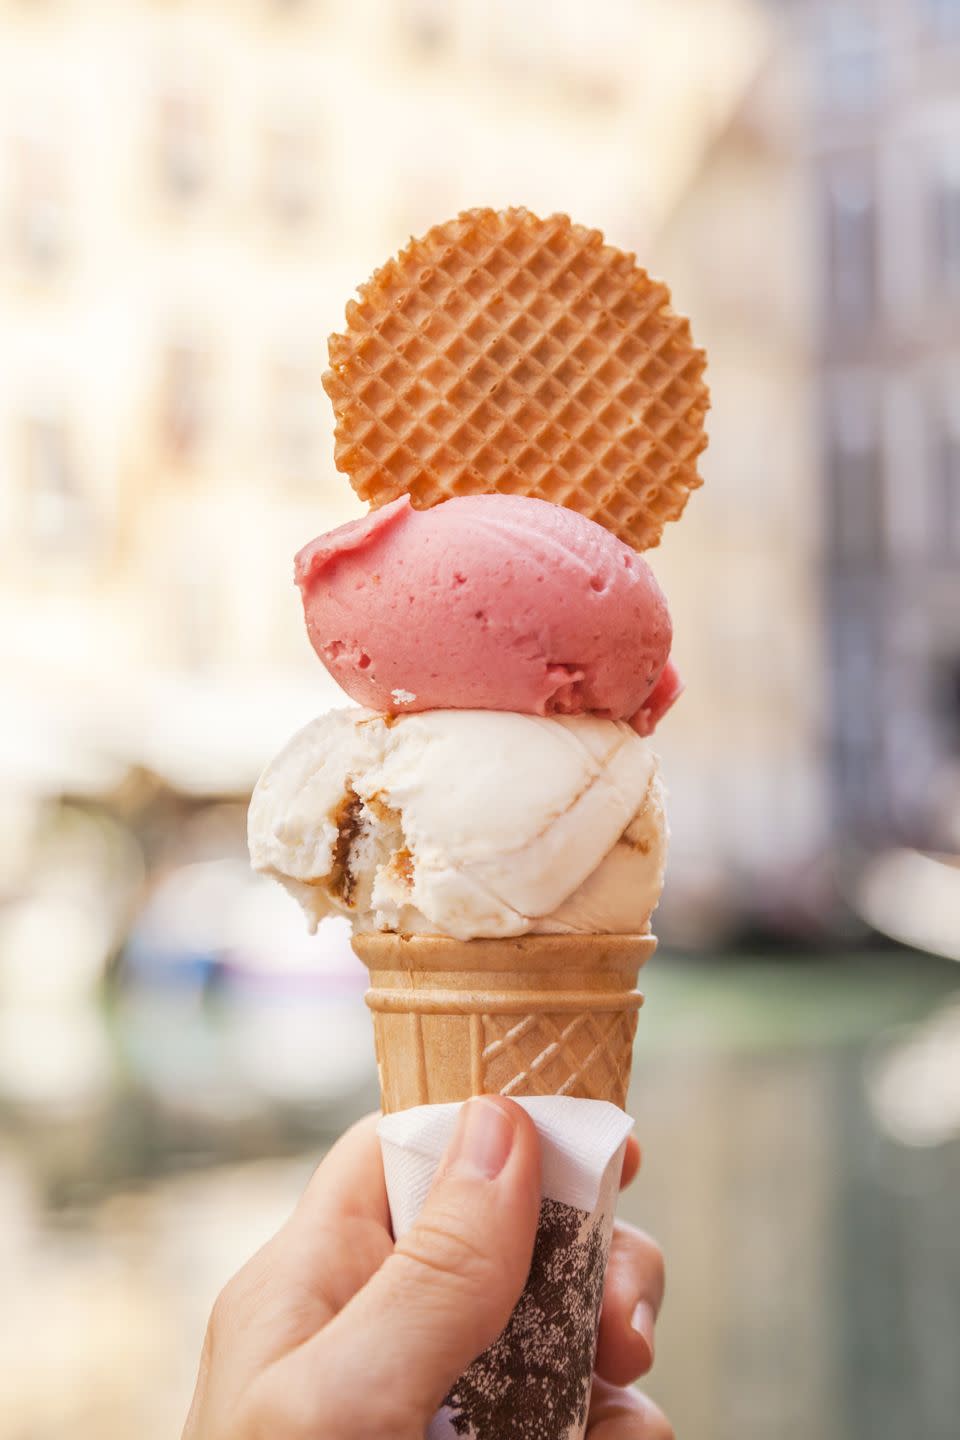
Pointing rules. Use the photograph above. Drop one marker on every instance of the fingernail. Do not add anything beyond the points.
(643, 1322)
(482, 1140)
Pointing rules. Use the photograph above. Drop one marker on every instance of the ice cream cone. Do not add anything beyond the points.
(534, 1015)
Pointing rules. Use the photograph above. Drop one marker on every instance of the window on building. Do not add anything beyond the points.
(857, 717)
(943, 18)
(948, 697)
(855, 471)
(427, 26)
(54, 511)
(290, 172)
(579, 52)
(854, 480)
(182, 142)
(945, 206)
(184, 400)
(422, 191)
(946, 480)
(853, 60)
(851, 205)
(192, 617)
(38, 208)
(294, 428)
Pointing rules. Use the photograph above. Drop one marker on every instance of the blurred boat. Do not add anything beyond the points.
(914, 897)
(225, 1004)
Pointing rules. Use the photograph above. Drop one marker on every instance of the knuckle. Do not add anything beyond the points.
(657, 1426)
(658, 1268)
(278, 1407)
(270, 1412)
(629, 1234)
(439, 1243)
(226, 1310)
(245, 1290)
(637, 1249)
(220, 1313)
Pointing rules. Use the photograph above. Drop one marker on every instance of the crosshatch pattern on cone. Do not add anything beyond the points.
(502, 352)
(538, 1015)
(577, 1055)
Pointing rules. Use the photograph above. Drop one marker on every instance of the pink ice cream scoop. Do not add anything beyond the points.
(489, 602)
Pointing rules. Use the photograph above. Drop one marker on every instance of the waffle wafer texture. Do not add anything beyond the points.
(536, 1015)
(506, 353)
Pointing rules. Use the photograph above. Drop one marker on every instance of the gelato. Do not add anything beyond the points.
(493, 602)
(467, 823)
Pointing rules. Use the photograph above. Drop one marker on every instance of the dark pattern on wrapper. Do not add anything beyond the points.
(534, 1381)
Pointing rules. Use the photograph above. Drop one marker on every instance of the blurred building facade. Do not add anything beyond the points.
(189, 191)
(745, 755)
(818, 246)
(885, 133)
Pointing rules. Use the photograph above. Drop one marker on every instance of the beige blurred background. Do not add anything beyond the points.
(189, 192)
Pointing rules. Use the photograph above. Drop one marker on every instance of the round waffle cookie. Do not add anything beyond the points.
(506, 353)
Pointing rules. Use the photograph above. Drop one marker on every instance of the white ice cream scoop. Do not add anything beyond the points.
(466, 823)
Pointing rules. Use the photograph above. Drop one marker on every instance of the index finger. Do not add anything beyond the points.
(348, 1183)
(632, 1296)
(632, 1160)
(625, 1415)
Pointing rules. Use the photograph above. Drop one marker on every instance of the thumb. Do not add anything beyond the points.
(452, 1281)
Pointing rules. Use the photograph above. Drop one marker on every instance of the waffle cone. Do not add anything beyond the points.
(505, 353)
(535, 1015)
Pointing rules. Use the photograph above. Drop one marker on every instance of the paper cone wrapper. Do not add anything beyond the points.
(534, 1381)
(535, 1015)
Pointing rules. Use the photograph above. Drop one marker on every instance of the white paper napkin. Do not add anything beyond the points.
(581, 1143)
(578, 1138)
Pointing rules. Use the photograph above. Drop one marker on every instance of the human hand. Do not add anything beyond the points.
(331, 1330)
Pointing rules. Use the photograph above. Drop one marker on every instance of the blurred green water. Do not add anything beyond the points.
(801, 1129)
(774, 1002)
(800, 1118)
